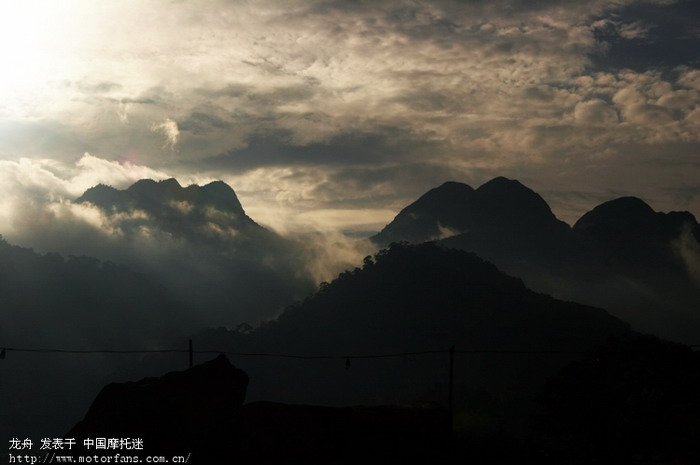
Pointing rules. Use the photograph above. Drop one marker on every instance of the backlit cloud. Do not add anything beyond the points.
(362, 93)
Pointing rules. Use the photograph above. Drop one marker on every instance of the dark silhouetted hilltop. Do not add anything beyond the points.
(622, 255)
(445, 208)
(512, 204)
(179, 413)
(502, 221)
(430, 296)
(411, 299)
(454, 208)
(147, 194)
(199, 414)
(631, 233)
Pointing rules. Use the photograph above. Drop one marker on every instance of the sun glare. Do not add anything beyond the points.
(36, 40)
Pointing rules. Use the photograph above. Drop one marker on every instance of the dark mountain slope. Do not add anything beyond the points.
(82, 301)
(622, 255)
(502, 220)
(435, 297)
(448, 207)
(453, 208)
(51, 302)
(198, 414)
(630, 233)
(416, 298)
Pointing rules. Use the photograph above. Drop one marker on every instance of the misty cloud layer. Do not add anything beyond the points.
(225, 275)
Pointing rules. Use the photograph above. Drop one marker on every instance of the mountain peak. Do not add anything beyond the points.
(222, 196)
(170, 183)
(100, 194)
(509, 196)
(620, 213)
(632, 232)
(500, 182)
(448, 192)
(166, 186)
(446, 207)
(143, 184)
(499, 205)
(454, 185)
(168, 201)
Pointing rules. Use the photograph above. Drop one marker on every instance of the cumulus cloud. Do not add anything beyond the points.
(170, 130)
(37, 207)
(634, 30)
(595, 111)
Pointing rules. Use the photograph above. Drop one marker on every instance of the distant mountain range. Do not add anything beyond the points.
(622, 255)
(202, 245)
(195, 259)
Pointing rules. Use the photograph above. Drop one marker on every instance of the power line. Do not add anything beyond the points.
(306, 357)
(227, 352)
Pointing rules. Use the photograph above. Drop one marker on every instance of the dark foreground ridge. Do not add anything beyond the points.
(634, 400)
(200, 413)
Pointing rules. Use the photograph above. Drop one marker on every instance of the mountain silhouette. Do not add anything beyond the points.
(199, 414)
(499, 206)
(199, 213)
(408, 299)
(201, 244)
(188, 409)
(50, 298)
(72, 303)
(631, 233)
(622, 255)
(632, 400)
(448, 207)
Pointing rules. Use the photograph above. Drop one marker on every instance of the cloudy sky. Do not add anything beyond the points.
(336, 114)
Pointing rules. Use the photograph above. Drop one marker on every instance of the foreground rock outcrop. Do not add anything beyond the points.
(199, 413)
(180, 412)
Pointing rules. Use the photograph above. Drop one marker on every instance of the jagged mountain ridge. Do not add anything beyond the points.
(197, 212)
(205, 247)
(621, 255)
(217, 194)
